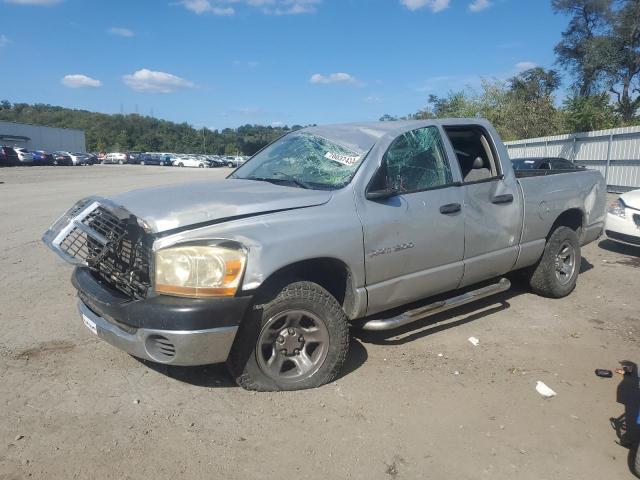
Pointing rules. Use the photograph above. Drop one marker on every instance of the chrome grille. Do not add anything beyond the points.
(111, 244)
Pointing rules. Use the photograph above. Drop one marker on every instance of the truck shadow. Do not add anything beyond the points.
(217, 376)
(626, 425)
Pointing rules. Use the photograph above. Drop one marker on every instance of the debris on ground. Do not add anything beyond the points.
(601, 372)
(544, 390)
(474, 341)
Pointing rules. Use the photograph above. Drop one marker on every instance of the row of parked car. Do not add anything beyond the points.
(173, 159)
(22, 156)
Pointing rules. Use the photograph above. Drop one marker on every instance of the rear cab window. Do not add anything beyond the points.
(475, 152)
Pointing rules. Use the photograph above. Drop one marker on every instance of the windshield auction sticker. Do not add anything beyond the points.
(343, 159)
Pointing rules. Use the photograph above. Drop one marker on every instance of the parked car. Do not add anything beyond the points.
(543, 163)
(120, 158)
(133, 157)
(189, 161)
(623, 219)
(166, 159)
(215, 161)
(24, 155)
(149, 159)
(40, 157)
(92, 158)
(80, 159)
(8, 156)
(233, 161)
(62, 158)
(326, 228)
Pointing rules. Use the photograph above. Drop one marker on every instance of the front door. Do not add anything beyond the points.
(414, 240)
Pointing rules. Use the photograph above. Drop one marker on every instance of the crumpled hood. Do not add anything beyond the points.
(175, 206)
(632, 199)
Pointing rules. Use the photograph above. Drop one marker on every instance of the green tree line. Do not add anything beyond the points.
(111, 133)
(600, 53)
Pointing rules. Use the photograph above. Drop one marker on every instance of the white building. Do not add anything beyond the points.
(39, 137)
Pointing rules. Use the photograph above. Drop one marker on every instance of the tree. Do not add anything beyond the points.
(625, 83)
(601, 46)
(582, 49)
(584, 114)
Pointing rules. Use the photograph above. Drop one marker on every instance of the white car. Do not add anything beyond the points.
(189, 161)
(24, 155)
(120, 158)
(623, 219)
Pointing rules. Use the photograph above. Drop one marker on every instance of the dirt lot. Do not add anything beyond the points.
(424, 403)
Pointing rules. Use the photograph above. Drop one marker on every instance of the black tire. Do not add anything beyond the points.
(181, 164)
(201, 165)
(251, 372)
(230, 165)
(553, 277)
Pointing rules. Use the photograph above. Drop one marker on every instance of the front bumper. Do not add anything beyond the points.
(160, 328)
(624, 230)
(174, 347)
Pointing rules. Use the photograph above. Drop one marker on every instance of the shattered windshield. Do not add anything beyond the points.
(303, 160)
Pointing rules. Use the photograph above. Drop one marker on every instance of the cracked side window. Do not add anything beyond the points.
(416, 161)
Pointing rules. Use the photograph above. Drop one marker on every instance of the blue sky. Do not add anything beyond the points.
(224, 63)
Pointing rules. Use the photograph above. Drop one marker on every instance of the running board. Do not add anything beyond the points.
(411, 316)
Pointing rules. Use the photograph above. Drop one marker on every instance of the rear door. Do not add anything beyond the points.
(414, 240)
(492, 205)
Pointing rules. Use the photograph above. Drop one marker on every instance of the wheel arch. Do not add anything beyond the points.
(332, 274)
(573, 218)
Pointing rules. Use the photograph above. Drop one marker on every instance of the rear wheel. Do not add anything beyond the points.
(230, 165)
(201, 165)
(298, 339)
(181, 164)
(141, 162)
(556, 274)
(121, 162)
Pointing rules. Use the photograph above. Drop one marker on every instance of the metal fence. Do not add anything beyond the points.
(615, 153)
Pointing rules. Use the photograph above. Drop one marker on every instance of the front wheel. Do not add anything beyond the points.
(120, 162)
(181, 164)
(556, 274)
(230, 165)
(142, 162)
(298, 339)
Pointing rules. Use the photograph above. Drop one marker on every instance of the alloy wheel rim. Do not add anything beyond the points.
(292, 346)
(565, 263)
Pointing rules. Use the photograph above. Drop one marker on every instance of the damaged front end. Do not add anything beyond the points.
(108, 240)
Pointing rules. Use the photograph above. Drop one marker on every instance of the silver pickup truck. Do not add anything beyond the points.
(326, 229)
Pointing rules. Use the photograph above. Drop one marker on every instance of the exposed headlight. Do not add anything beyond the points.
(617, 208)
(199, 270)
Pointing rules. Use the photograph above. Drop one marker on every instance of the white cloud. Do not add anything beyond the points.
(44, 3)
(121, 32)
(145, 80)
(522, 66)
(4, 41)
(479, 5)
(205, 6)
(270, 7)
(339, 77)
(433, 5)
(373, 99)
(80, 81)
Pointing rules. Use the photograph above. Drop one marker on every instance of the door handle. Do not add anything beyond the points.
(501, 199)
(450, 208)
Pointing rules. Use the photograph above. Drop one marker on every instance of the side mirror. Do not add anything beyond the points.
(380, 194)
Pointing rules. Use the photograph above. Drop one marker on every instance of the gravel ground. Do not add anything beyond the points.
(423, 403)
